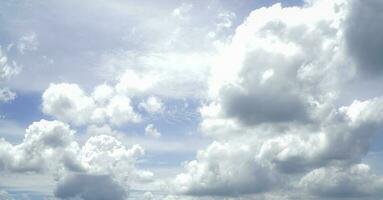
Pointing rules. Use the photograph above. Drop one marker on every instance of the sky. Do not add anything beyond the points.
(191, 100)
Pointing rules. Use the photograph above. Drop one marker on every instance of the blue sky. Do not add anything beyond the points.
(191, 100)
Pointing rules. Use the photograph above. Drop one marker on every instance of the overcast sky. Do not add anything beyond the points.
(191, 100)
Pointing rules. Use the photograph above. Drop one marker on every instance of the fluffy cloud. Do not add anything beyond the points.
(68, 102)
(274, 98)
(49, 147)
(225, 170)
(281, 65)
(152, 105)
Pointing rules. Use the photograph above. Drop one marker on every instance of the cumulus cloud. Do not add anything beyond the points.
(270, 74)
(49, 147)
(281, 128)
(68, 102)
(274, 104)
(225, 170)
(90, 187)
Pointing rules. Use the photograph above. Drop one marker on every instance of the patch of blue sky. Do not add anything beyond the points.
(24, 109)
(24, 194)
(179, 117)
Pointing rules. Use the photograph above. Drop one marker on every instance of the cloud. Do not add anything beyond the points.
(8, 69)
(49, 148)
(152, 105)
(151, 131)
(47, 145)
(362, 36)
(6, 95)
(354, 181)
(90, 187)
(105, 154)
(269, 74)
(68, 102)
(275, 104)
(225, 170)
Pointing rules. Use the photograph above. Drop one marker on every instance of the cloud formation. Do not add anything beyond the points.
(290, 101)
(103, 167)
(68, 102)
(274, 99)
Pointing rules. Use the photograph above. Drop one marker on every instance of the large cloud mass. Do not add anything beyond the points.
(103, 167)
(291, 106)
(277, 112)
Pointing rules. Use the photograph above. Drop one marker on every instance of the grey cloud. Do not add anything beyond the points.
(356, 181)
(364, 36)
(264, 106)
(90, 187)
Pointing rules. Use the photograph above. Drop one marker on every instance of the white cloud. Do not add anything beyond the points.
(225, 169)
(151, 131)
(274, 98)
(152, 105)
(281, 128)
(49, 148)
(183, 74)
(102, 93)
(8, 69)
(68, 102)
(133, 83)
(120, 111)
